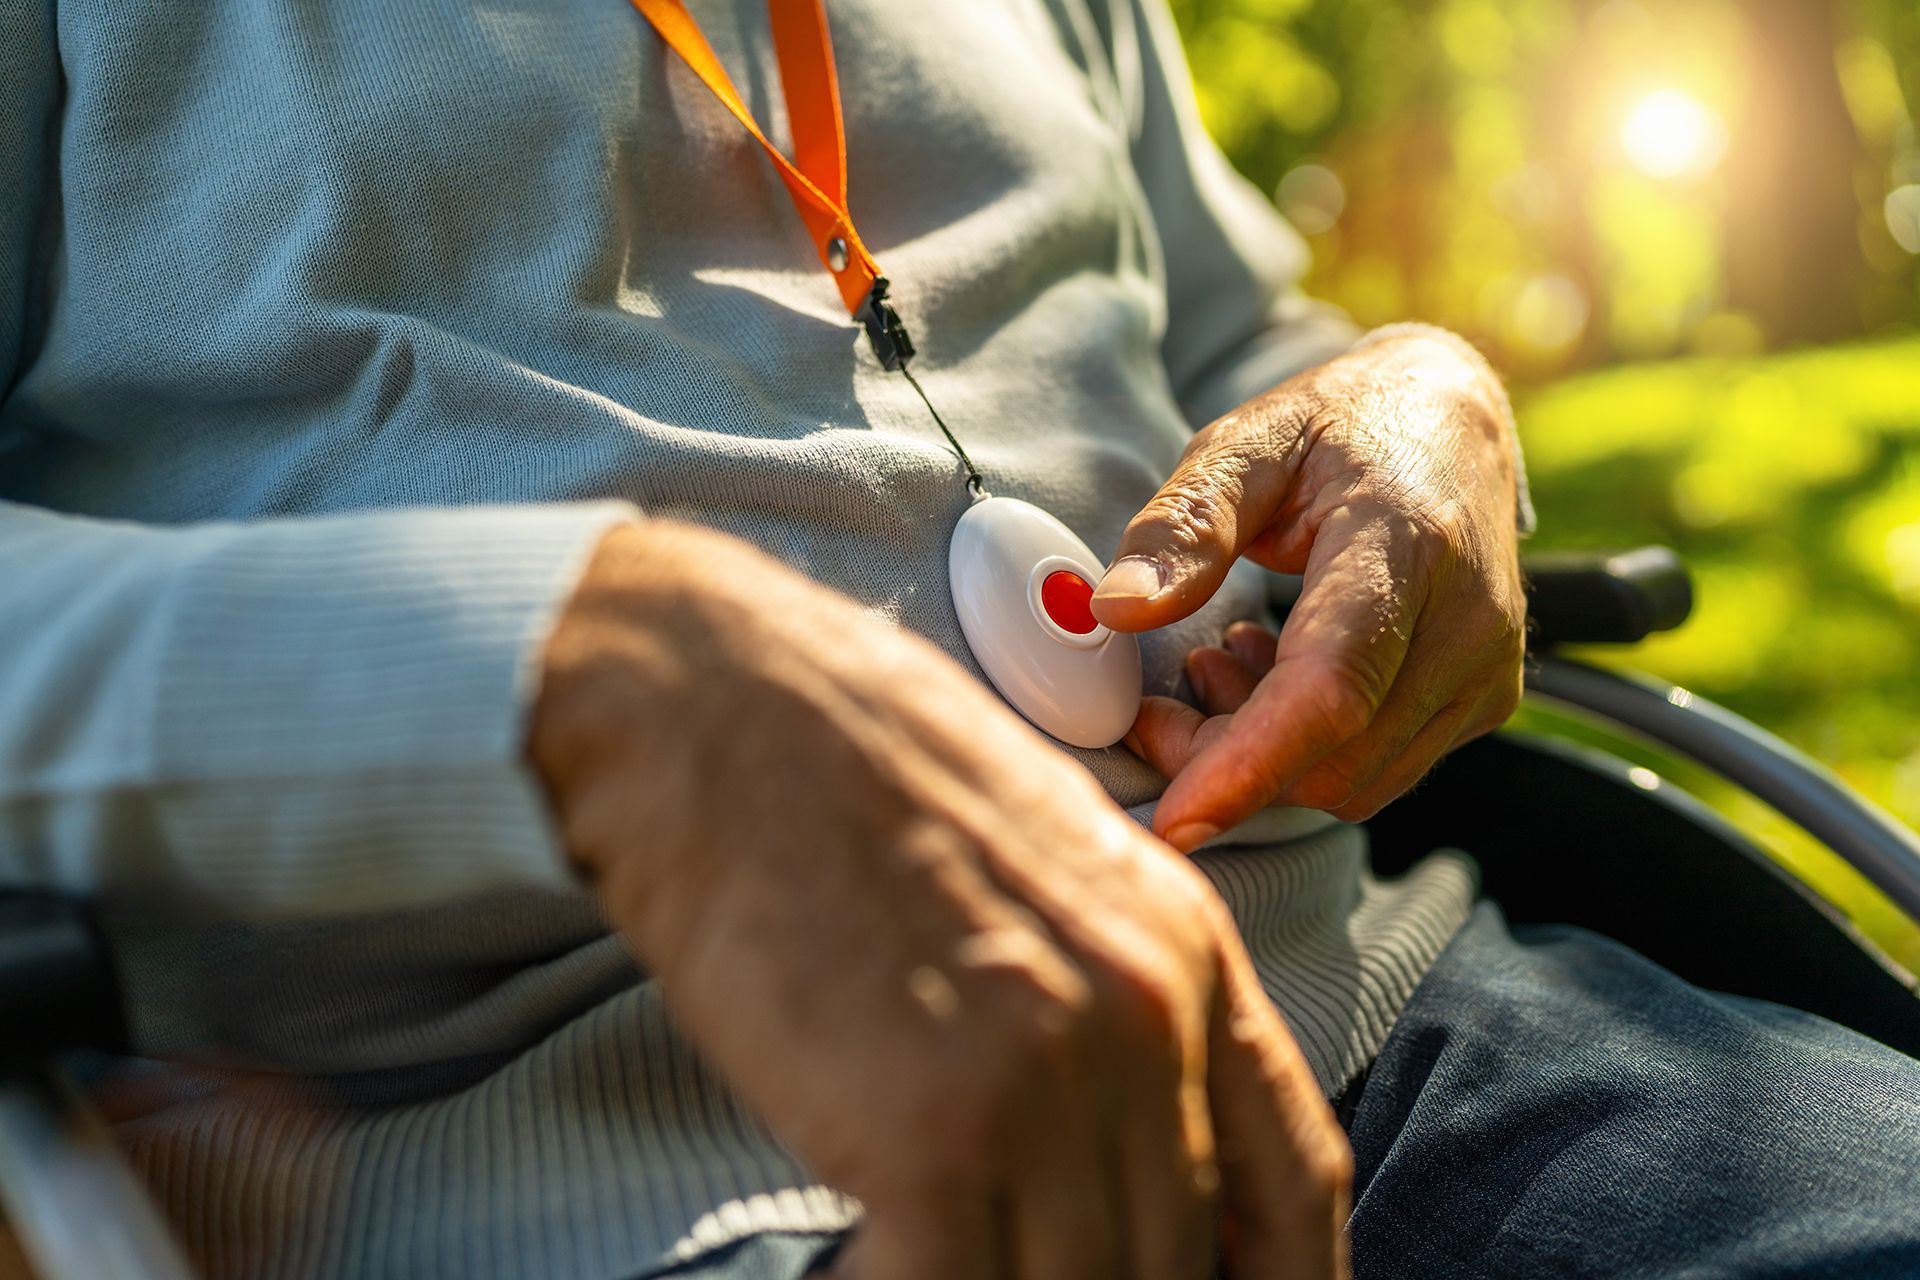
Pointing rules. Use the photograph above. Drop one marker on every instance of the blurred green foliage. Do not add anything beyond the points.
(1792, 484)
(1634, 206)
(1571, 182)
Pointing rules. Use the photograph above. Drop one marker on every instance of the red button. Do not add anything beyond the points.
(1068, 600)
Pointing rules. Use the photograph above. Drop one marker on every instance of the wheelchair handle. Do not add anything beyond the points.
(58, 988)
(1614, 597)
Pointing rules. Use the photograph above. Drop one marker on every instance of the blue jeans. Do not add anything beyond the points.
(1550, 1104)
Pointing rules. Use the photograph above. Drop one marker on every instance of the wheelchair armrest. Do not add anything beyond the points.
(74, 1207)
(58, 989)
(1605, 597)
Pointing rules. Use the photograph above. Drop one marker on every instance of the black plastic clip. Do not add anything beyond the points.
(885, 331)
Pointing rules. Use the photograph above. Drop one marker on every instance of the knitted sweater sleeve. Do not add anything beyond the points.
(262, 719)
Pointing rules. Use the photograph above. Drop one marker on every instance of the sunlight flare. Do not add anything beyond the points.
(1670, 134)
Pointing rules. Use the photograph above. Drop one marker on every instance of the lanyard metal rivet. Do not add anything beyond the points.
(837, 253)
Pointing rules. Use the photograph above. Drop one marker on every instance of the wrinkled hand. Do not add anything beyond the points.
(1386, 477)
(953, 977)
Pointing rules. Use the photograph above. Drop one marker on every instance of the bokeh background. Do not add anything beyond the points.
(1689, 230)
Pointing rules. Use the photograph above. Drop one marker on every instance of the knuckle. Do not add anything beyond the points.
(1500, 700)
(1478, 730)
(961, 1125)
(962, 1161)
(1183, 887)
(1148, 1001)
(1341, 697)
(1049, 1034)
(1428, 535)
(1027, 1031)
(1507, 701)
(1499, 633)
(1154, 986)
(1329, 1169)
(1043, 1031)
(1208, 438)
(1359, 809)
(1041, 1028)
(1191, 510)
(1431, 698)
(1439, 528)
(1198, 906)
(1330, 783)
(1490, 619)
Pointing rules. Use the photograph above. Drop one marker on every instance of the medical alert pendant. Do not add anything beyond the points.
(1023, 586)
(1022, 581)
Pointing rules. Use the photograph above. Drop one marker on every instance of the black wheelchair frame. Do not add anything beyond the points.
(1562, 833)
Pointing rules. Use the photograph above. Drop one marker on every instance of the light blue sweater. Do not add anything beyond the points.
(332, 335)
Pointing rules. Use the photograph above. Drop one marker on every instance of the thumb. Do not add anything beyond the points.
(1176, 552)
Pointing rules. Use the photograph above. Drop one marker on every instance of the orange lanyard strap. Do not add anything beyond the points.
(816, 178)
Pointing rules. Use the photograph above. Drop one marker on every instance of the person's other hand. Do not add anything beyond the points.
(921, 942)
(1386, 477)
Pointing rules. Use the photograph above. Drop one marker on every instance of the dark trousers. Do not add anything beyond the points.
(1550, 1104)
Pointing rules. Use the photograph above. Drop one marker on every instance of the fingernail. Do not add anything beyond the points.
(1191, 835)
(1132, 578)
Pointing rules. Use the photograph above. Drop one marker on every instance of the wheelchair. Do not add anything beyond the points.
(1562, 832)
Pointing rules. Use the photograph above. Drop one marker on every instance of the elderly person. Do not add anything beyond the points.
(449, 512)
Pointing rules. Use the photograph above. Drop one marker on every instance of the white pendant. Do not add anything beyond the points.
(1021, 582)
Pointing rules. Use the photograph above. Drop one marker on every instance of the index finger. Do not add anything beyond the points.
(1339, 653)
(1174, 554)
